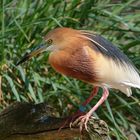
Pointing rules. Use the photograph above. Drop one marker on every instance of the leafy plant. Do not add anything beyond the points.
(23, 23)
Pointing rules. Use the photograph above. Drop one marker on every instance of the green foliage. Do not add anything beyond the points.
(23, 23)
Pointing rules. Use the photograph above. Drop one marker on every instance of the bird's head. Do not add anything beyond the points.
(56, 39)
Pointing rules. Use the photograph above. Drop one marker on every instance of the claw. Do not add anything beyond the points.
(71, 120)
(83, 120)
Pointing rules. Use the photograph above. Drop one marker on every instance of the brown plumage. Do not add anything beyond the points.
(91, 58)
(75, 62)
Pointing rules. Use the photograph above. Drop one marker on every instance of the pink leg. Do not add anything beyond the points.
(82, 107)
(80, 112)
(84, 119)
(93, 93)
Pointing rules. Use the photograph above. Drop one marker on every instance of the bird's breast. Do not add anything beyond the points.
(76, 63)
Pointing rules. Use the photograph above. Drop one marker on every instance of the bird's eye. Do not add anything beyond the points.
(50, 41)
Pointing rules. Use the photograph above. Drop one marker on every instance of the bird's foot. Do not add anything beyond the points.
(70, 120)
(75, 116)
(82, 121)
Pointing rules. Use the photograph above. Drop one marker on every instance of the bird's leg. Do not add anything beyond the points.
(83, 106)
(81, 110)
(84, 119)
(93, 93)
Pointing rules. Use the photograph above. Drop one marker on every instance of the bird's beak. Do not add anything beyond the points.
(34, 52)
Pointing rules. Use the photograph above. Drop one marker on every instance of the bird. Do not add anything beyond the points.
(89, 57)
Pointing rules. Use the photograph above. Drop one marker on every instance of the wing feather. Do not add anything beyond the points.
(120, 73)
(107, 48)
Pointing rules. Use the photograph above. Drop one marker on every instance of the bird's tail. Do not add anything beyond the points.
(127, 88)
(137, 85)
